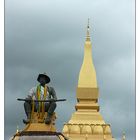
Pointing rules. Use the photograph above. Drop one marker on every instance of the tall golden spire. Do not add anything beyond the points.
(87, 122)
(87, 76)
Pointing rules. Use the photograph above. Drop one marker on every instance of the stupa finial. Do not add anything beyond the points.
(88, 35)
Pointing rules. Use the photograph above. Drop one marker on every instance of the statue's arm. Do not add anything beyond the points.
(31, 93)
(53, 93)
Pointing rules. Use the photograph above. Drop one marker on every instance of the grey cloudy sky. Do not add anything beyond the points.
(49, 35)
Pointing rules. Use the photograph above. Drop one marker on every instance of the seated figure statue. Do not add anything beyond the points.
(41, 92)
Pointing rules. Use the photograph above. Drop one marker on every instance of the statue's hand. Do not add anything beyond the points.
(28, 98)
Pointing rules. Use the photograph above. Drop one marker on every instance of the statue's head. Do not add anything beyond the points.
(43, 78)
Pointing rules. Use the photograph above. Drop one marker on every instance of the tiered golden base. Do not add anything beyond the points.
(87, 125)
(37, 123)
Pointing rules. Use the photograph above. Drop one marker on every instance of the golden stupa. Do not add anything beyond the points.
(87, 123)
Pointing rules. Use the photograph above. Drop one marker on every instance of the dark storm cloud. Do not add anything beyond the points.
(49, 36)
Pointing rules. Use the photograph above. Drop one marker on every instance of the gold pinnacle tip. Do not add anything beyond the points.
(17, 129)
(88, 23)
(88, 35)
